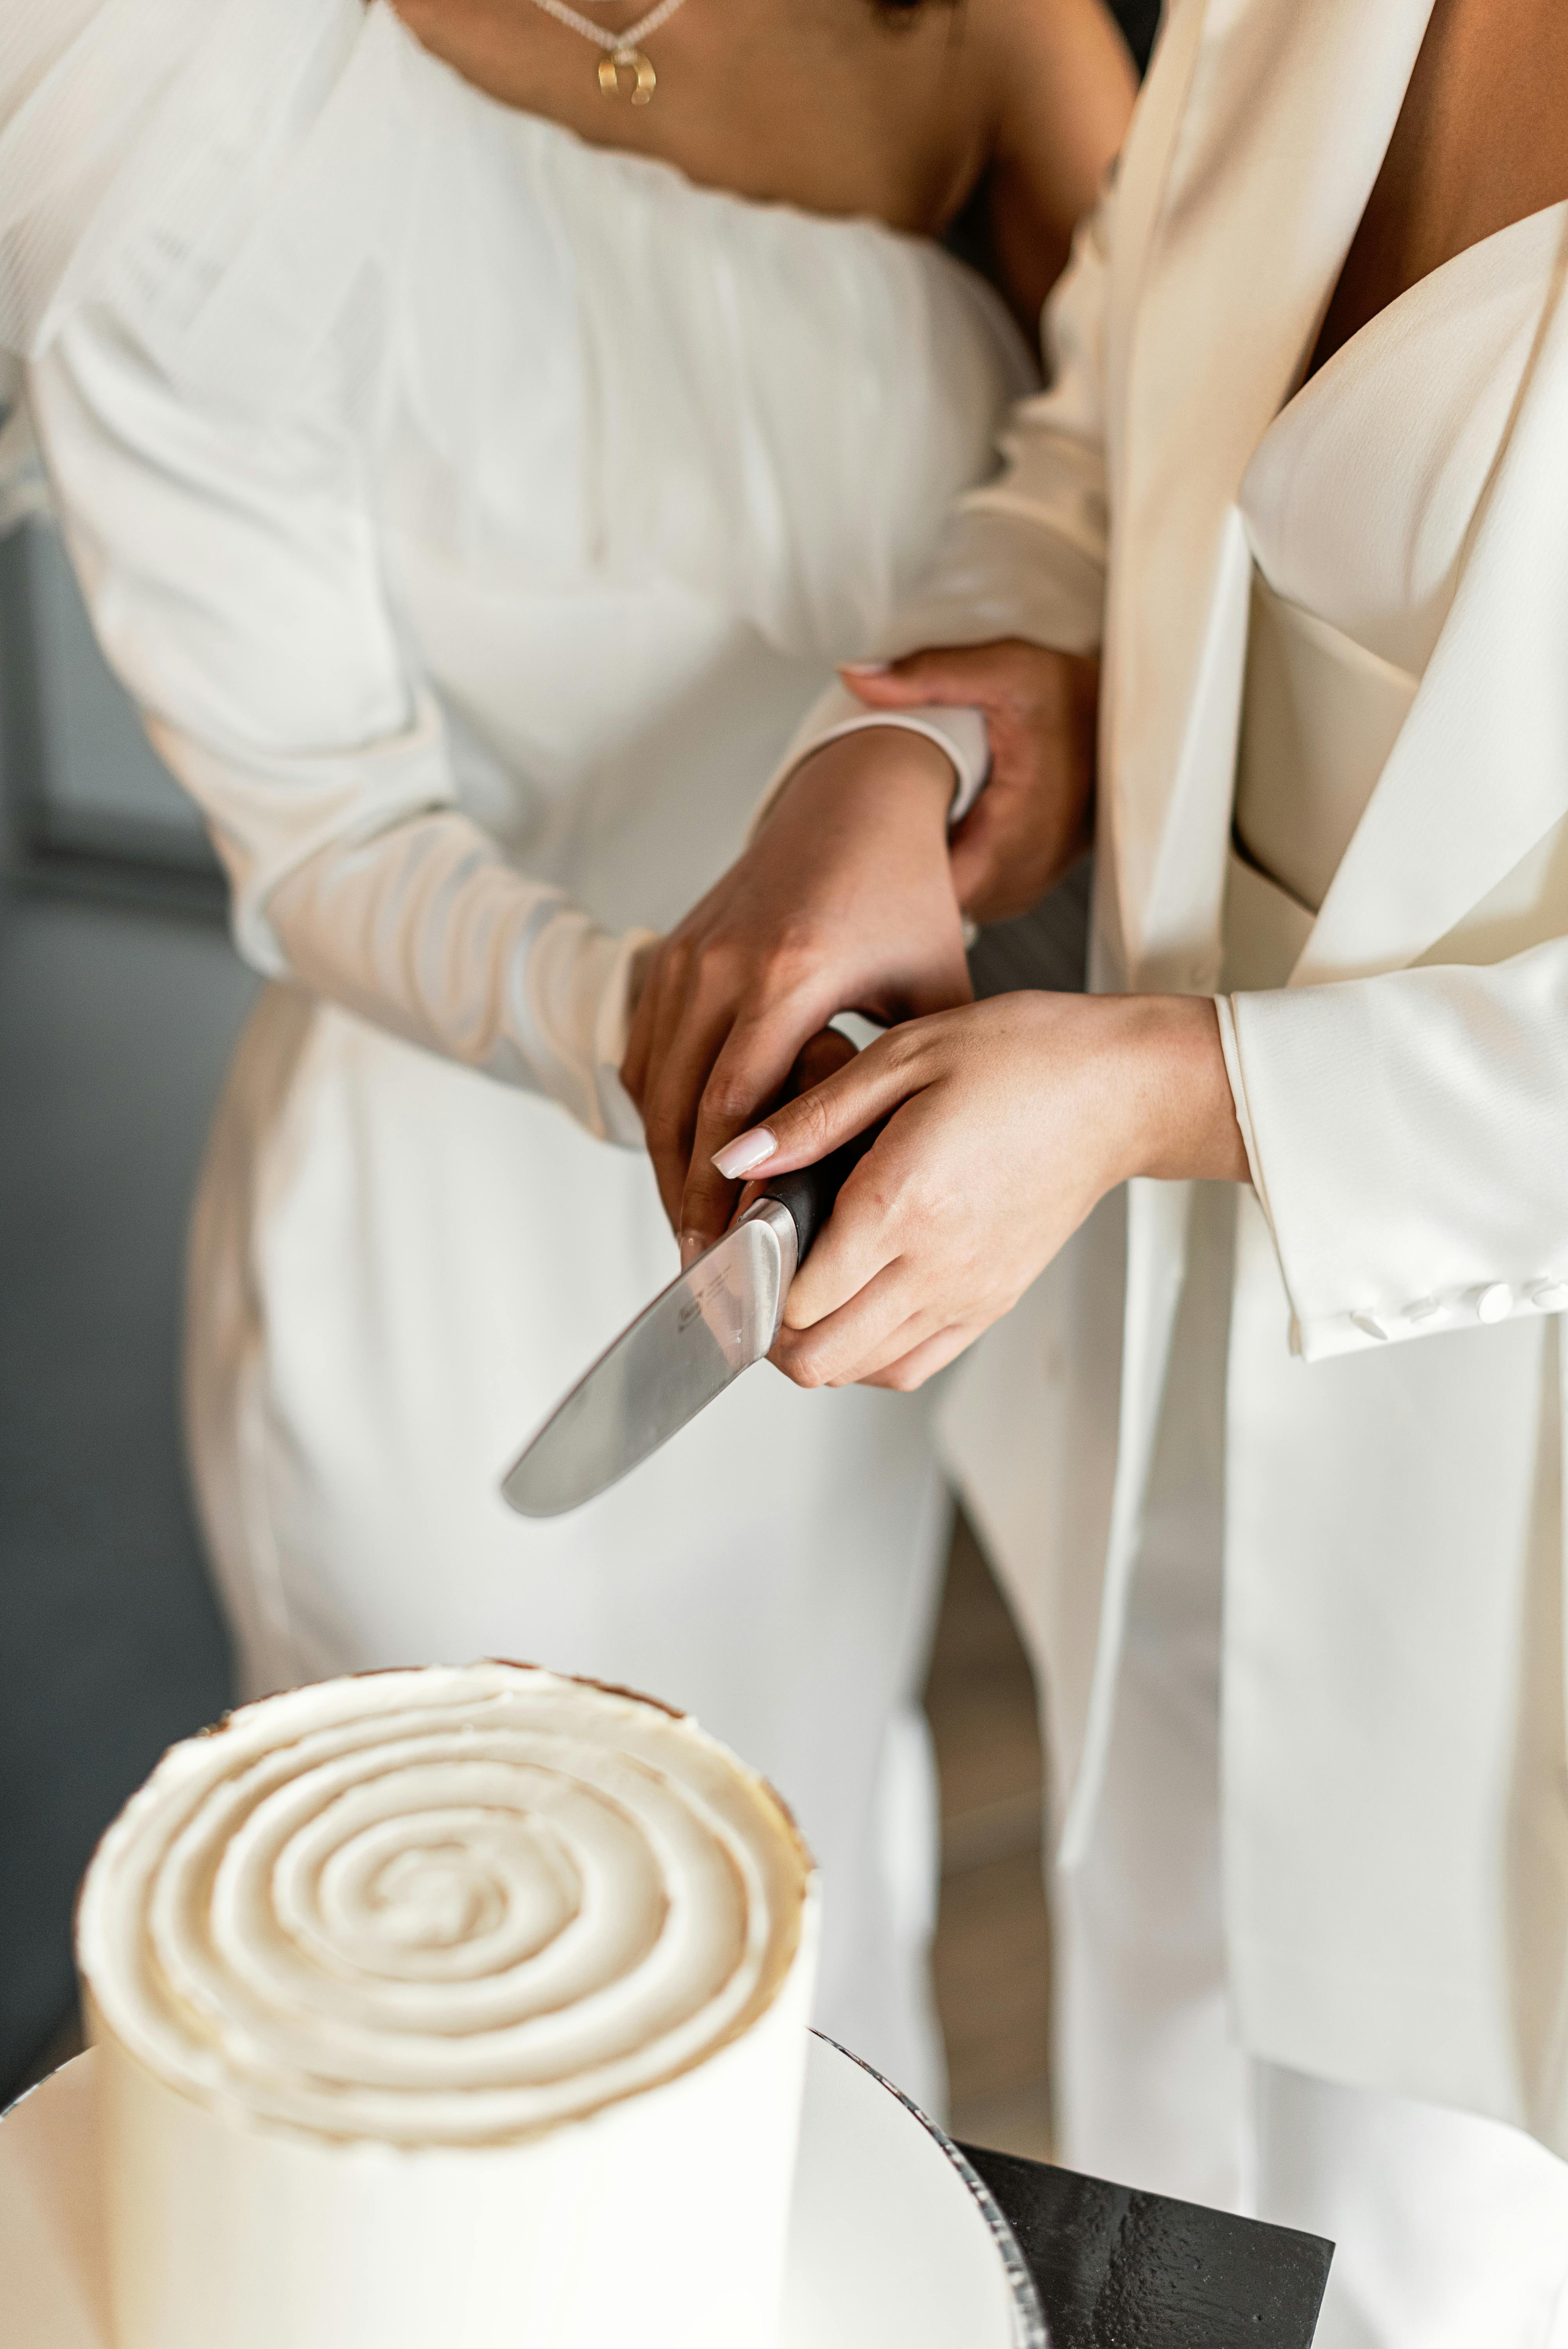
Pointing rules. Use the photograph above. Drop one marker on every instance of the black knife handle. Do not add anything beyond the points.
(808, 1194)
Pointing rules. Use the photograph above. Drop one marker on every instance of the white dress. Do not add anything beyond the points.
(1451, 2230)
(463, 503)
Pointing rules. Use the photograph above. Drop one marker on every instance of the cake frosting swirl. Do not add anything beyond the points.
(445, 1907)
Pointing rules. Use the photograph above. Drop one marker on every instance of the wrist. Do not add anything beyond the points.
(1181, 1120)
(876, 766)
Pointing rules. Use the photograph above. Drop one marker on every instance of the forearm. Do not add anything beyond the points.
(234, 580)
(428, 931)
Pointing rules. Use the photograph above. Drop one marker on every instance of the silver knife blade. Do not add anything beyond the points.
(721, 1315)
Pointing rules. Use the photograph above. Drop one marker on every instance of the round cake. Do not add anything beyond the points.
(458, 2006)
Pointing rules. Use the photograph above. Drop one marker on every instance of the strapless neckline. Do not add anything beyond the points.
(1361, 503)
(653, 169)
(1475, 260)
(1360, 497)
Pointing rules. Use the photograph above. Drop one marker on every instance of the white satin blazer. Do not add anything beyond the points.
(1395, 1790)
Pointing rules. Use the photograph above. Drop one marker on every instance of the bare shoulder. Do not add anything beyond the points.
(1055, 67)
(838, 106)
(1060, 87)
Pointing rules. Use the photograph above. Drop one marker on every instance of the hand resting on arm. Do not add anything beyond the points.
(1035, 818)
(849, 898)
(842, 902)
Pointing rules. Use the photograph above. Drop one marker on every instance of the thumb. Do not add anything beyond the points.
(968, 675)
(799, 1131)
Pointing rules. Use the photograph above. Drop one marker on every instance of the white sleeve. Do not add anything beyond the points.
(1408, 1136)
(837, 712)
(1026, 553)
(235, 582)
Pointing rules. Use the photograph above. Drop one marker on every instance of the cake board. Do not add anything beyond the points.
(895, 2241)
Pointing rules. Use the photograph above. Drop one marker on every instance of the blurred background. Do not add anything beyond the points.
(120, 999)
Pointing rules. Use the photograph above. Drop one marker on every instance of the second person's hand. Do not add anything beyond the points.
(1035, 818)
(1006, 1121)
(842, 902)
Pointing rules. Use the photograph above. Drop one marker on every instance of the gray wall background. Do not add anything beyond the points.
(118, 1011)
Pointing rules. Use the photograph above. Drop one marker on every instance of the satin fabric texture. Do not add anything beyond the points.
(1393, 1816)
(1451, 2231)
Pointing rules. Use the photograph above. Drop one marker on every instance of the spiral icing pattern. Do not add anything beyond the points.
(446, 1906)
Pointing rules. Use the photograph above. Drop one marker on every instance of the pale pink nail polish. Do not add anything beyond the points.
(864, 668)
(747, 1151)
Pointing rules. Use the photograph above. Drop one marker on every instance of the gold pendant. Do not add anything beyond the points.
(645, 81)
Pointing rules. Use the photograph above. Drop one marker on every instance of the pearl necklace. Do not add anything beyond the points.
(621, 53)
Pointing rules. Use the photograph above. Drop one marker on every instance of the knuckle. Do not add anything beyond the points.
(676, 958)
(696, 1213)
(730, 1099)
(663, 1131)
(1035, 682)
(789, 956)
(722, 959)
(905, 1046)
(802, 1357)
(806, 1123)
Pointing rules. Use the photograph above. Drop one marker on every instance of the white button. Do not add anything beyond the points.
(1369, 1324)
(1551, 1296)
(1496, 1303)
(1423, 1309)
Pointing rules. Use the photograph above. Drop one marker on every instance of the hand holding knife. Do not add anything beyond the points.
(713, 1322)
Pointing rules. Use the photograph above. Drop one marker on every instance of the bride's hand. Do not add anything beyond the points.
(1035, 818)
(843, 902)
(1007, 1122)
(848, 900)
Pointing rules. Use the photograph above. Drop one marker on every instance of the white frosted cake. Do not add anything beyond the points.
(457, 2008)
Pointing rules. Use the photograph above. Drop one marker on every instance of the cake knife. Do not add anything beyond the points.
(719, 1316)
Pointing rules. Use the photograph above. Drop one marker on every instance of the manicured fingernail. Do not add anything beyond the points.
(864, 668)
(692, 1246)
(747, 1151)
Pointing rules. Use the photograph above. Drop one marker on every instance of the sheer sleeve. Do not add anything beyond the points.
(231, 568)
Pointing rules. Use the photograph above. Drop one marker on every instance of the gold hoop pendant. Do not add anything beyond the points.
(645, 80)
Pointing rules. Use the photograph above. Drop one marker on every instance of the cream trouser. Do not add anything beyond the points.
(1451, 2230)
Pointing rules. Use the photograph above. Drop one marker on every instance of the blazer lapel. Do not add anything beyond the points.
(1274, 125)
(1289, 110)
(1479, 771)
